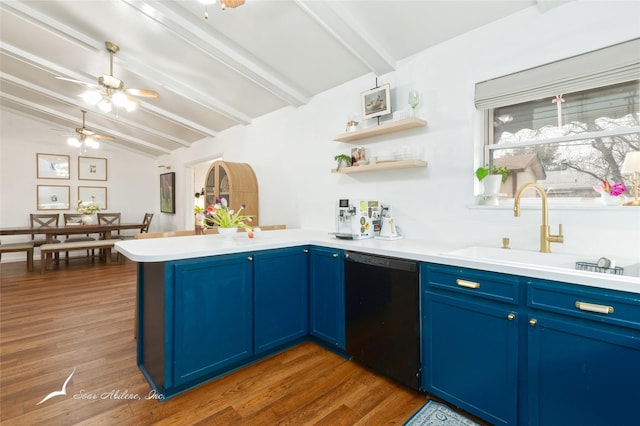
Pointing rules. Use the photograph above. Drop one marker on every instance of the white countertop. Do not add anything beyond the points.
(176, 248)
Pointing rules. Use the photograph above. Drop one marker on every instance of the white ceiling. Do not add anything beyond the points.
(212, 73)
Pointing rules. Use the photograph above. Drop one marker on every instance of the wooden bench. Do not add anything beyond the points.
(47, 249)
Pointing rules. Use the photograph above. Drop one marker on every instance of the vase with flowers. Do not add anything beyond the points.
(226, 220)
(611, 194)
(88, 210)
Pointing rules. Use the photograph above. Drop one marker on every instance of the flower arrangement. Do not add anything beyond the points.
(613, 190)
(221, 216)
(87, 208)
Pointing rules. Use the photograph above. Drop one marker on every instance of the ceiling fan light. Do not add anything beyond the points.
(73, 141)
(91, 97)
(105, 105)
(130, 105)
(92, 143)
(119, 99)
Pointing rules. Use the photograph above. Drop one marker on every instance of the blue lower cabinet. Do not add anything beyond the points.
(213, 316)
(280, 297)
(583, 366)
(469, 343)
(326, 298)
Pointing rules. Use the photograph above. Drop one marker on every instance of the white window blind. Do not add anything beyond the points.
(603, 67)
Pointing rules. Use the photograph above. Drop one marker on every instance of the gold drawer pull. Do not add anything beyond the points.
(592, 307)
(467, 284)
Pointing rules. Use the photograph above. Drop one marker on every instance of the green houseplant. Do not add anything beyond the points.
(342, 158)
(492, 177)
(492, 169)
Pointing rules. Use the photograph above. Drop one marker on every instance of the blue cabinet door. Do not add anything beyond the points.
(213, 320)
(280, 297)
(326, 287)
(470, 352)
(581, 373)
(470, 340)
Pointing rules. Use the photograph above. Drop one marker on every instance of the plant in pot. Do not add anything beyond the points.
(492, 177)
(342, 158)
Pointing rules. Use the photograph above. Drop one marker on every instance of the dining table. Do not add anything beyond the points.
(50, 232)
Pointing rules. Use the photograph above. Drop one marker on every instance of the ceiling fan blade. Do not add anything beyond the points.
(142, 93)
(77, 81)
(104, 137)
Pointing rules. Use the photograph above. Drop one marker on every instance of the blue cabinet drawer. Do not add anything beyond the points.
(606, 306)
(489, 285)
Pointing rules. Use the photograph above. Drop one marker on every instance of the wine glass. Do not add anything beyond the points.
(414, 100)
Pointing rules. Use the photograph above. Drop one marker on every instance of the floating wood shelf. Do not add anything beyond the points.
(383, 129)
(388, 165)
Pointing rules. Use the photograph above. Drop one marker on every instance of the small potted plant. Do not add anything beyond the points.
(342, 158)
(492, 177)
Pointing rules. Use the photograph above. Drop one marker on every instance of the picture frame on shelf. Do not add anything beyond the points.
(92, 168)
(52, 197)
(52, 166)
(376, 102)
(167, 193)
(95, 194)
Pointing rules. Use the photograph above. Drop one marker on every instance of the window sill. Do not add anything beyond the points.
(593, 204)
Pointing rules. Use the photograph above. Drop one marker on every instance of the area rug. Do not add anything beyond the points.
(436, 414)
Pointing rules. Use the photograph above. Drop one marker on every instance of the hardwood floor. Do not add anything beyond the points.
(81, 316)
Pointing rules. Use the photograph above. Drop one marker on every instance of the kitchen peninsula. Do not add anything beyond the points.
(209, 305)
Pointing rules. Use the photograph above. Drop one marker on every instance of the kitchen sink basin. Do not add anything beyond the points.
(531, 258)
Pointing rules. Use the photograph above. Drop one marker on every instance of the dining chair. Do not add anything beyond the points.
(26, 247)
(109, 219)
(39, 220)
(146, 221)
(75, 218)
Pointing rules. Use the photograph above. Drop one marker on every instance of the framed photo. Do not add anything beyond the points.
(92, 168)
(96, 194)
(52, 197)
(376, 102)
(167, 192)
(52, 166)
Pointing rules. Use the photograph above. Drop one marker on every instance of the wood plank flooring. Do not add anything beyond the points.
(81, 316)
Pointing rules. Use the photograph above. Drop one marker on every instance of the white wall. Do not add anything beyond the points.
(132, 180)
(292, 150)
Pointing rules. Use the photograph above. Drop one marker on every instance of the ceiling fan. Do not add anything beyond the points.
(110, 90)
(86, 138)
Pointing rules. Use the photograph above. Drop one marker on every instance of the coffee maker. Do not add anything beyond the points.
(356, 220)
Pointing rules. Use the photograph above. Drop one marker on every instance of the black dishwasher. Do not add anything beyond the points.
(383, 315)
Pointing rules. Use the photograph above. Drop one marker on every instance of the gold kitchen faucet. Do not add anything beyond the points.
(546, 238)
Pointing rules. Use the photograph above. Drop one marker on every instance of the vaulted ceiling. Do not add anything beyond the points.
(211, 74)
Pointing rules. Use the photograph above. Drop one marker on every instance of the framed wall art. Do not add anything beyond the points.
(92, 168)
(52, 166)
(95, 194)
(52, 197)
(167, 192)
(376, 102)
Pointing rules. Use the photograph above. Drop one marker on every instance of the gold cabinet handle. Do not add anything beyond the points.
(305, 251)
(511, 316)
(533, 322)
(249, 258)
(467, 284)
(335, 255)
(592, 307)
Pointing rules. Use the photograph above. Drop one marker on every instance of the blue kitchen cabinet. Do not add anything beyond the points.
(470, 340)
(280, 297)
(326, 287)
(213, 323)
(583, 355)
